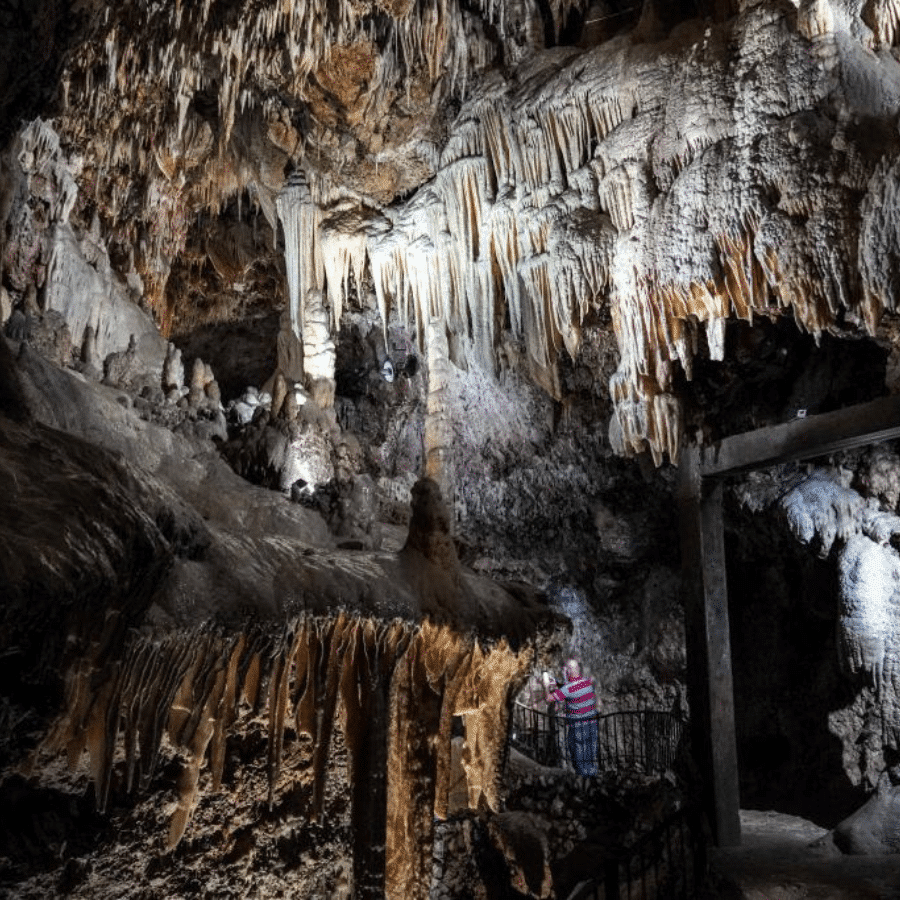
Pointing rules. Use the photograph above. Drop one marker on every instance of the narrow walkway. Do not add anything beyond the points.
(782, 857)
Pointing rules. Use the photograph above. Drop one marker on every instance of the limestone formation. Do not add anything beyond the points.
(868, 570)
(873, 828)
(869, 576)
(279, 392)
(49, 334)
(213, 394)
(475, 255)
(318, 352)
(5, 306)
(197, 386)
(173, 370)
(30, 302)
(290, 408)
(18, 327)
(90, 356)
(121, 367)
(429, 528)
(438, 430)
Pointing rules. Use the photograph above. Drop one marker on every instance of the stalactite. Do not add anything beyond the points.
(883, 17)
(300, 218)
(438, 425)
(815, 19)
(698, 241)
(344, 235)
(182, 51)
(393, 687)
(691, 171)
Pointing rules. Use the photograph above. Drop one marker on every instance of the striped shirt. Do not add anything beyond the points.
(578, 695)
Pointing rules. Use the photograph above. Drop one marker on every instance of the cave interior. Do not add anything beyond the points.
(361, 361)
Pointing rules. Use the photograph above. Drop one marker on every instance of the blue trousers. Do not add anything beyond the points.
(581, 739)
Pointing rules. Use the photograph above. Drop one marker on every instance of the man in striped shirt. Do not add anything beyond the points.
(580, 702)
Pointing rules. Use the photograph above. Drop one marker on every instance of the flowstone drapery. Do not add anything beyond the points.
(673, 181)
(821, 510)
(393, 689)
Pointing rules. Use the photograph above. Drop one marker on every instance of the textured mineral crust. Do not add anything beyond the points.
(326, 324)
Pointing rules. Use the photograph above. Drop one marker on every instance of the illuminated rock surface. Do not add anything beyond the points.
(265, 265)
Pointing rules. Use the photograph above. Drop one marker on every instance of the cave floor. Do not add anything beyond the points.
(783, 857)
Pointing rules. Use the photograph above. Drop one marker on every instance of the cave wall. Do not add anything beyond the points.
(787, 676)
(813, 586)
(550, 237)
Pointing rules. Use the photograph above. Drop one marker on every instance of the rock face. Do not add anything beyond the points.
(476, 253)
(873, 829)
(213, 621)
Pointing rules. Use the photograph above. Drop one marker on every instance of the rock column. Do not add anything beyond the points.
(438, 426)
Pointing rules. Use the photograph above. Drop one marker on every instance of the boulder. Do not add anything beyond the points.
(522, 840)
(874, 829)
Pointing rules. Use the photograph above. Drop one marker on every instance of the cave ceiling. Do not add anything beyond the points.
(506, 173)
(692, 205)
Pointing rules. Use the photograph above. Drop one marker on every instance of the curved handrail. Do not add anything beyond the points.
(668, 863)
(646, 740)
(670, 860)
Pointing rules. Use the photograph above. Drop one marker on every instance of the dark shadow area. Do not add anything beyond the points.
(240, 353)
(34, 39)
(40, 826)
(549, 26)
(783, 607)
(772, 372)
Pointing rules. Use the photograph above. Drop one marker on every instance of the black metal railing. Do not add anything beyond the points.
(668, 863)
(642, 740)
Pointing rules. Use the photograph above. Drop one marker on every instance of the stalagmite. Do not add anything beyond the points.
(90, 355)
(5, 306)
(279, 392)
(438, 424)
(197, 385)
(173, 370)
(318, 351)
(868, 568)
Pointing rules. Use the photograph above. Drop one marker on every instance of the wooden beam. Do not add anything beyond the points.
(844, 429)
(710, 690)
